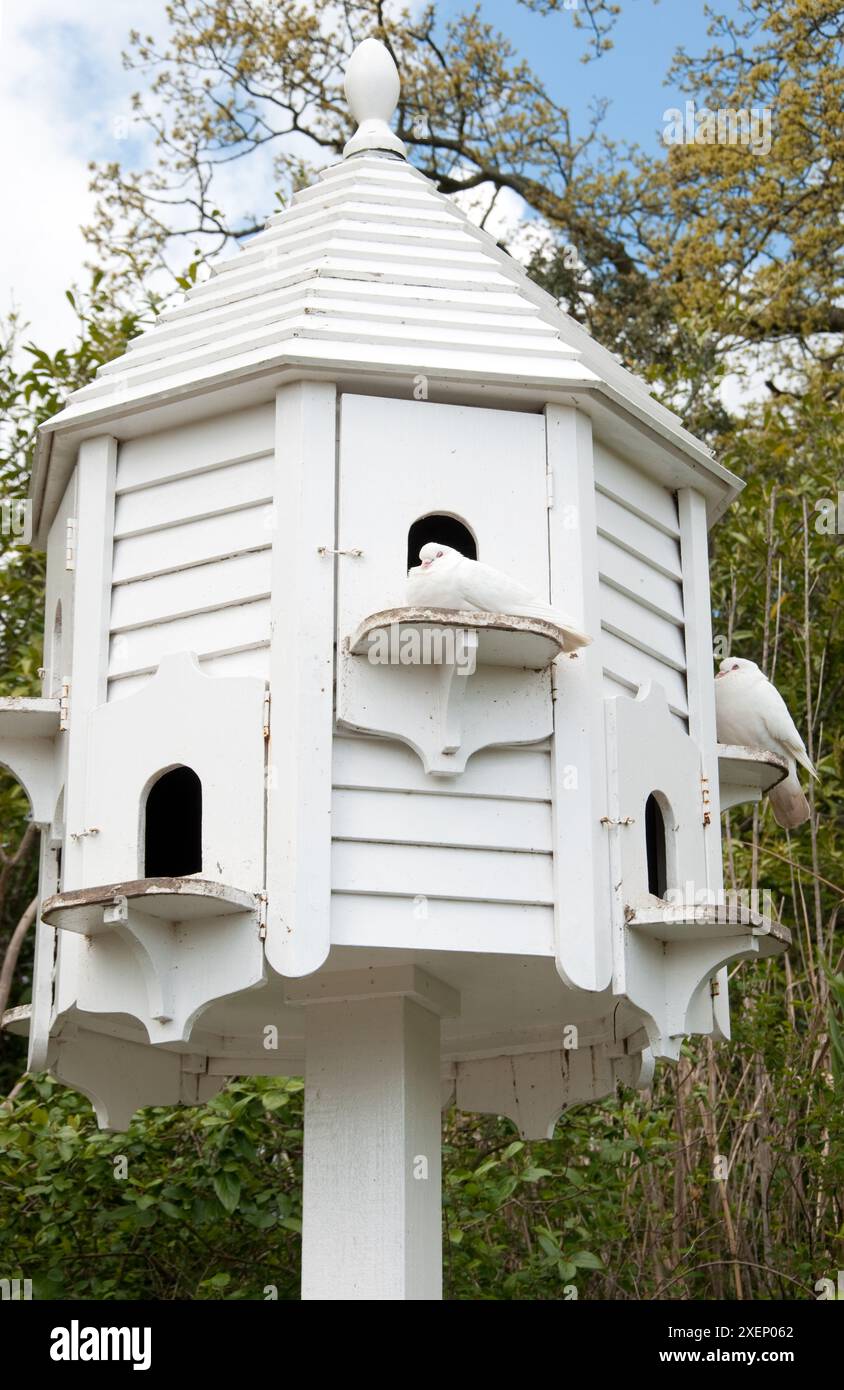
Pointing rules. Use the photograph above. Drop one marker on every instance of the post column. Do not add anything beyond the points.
(372, 1181)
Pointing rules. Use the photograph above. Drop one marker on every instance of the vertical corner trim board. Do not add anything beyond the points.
(581, 864)
(301, 680)
(96, 470)
(694, 547)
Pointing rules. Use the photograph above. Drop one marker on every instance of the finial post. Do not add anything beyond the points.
(372, 91)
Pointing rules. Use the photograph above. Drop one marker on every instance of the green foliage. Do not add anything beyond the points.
(209, 1206)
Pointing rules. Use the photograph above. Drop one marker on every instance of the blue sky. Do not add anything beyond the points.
(64, 100)
(631, 74)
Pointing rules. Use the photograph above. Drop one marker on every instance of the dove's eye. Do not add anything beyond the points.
(735, 668)
(439, 555)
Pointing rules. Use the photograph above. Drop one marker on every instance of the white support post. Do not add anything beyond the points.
(372, 1182)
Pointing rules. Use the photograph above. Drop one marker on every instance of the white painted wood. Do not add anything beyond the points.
(669, 982)
(701, 687)
(181, 717)
(371, 1226)
(496, 705)
(89, 663)
(451, 454)
(95, 478)
(302, 663)
(195, 448)
(59, 596)
(580, 864)
(633, 489)
(454, 459)
(30, 749)
(441, 924)
(254, 661)
(640, 580)
(745, 773)
(640, 539)
(630, 620)
(58, 599)
(124, 1075)
(166, 971)
(413, 870)
(225, 629)
(501, 773)
(194, 543)
(403, 818)
(228, 488)
(533, 1089)
(631, 667)
(202, 589)
(41, 1016)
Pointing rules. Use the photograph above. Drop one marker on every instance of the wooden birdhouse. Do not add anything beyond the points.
(292, 824)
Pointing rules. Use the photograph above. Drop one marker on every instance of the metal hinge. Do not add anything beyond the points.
(625, 820)
(706, 799)
(266, 714)
(324, 550)
(549, 489)
(70, 544)
(64, 704)
(262, 916)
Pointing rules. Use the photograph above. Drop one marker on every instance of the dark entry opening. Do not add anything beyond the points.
(173, 825)
(655, 843)
(446, 530)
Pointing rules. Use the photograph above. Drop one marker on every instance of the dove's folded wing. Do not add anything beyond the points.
(483, 587)
(780, 727)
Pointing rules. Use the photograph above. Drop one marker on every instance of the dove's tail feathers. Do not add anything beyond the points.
(543, 610)
(789, 803)
(805, 761)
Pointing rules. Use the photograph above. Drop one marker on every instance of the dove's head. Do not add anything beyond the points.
(441, 557)
(737, 663)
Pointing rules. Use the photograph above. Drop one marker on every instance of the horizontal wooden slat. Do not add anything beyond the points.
(196, 447)
(640, 582)
(635, 490)
(407, 818)
(253, 662)
(496, 772)
(441, 924)
(638, 537)
(410, 872)
(195, 542)
(201, 589)
(207, 634)
(643, 628)
(229, 488)
(631, 667)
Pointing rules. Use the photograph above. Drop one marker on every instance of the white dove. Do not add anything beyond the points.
(447, 579)
(751, 711)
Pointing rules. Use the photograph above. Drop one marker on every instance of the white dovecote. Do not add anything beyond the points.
(471, 871)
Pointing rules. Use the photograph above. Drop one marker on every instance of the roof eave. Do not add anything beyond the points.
(60, 436)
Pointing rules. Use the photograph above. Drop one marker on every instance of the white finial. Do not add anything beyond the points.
(372, 91)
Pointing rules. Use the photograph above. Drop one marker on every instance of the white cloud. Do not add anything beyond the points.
(64, 100)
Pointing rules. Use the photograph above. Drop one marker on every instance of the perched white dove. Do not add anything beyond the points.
(751, 711)
(447, 579)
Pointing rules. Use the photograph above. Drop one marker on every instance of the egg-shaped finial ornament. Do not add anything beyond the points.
(372, 91)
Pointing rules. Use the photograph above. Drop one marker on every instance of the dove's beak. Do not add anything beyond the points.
(426, 564)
